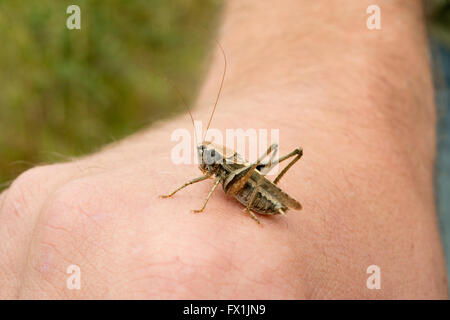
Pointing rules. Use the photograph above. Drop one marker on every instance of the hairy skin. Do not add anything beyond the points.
(359, 102)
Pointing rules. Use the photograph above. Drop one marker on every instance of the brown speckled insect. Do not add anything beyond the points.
(241, 179)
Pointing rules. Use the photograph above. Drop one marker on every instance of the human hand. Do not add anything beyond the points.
(365, 120)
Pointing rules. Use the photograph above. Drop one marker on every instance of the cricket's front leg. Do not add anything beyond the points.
(216, 183)
(206, 176)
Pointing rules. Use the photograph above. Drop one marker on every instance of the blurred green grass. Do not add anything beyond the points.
(439, 20)
(65, 93)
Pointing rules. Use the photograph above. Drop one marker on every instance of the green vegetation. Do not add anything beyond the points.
(64, 92)
(439, 18)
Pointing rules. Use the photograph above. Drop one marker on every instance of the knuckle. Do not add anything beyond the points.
(31, 177)
(69, 198)
(2, 197)
(19, 197)
(70, 224)
(73, 206)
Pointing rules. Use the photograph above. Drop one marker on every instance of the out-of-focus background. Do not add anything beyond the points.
(439, 26)
(66, 93)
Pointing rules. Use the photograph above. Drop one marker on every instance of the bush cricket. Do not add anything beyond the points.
(241, 179)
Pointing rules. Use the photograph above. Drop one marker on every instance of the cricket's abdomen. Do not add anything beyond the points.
(269, 198)
(263, 203)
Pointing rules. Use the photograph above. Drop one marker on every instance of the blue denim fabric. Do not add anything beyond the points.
(441, 59)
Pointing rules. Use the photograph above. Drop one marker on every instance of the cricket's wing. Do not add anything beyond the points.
(282, 196)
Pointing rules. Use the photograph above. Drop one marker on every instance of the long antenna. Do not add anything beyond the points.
(180, 95)
(186, 105)
(184, 100)
(220, 89)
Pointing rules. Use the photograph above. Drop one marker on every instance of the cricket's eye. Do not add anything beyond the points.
(201, 150)
(211, 157)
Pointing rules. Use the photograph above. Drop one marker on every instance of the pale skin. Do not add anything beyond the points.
(359, 103)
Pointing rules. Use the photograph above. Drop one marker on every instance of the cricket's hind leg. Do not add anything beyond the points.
(272, 149)
(266, 167)
(297, 153)
(238, 178)
(244, 175)
(248, 208)
(206, 176)
(252, 215)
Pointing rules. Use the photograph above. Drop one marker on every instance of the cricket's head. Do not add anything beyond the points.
(208, 156)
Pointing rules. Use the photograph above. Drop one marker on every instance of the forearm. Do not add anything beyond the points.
(360, 103)
(318, 63)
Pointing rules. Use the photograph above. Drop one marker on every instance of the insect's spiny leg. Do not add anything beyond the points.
(249, 170)
(206, 176)
(209, 195)
(253, 216)
(253, 195)
(298, 152)
(280, 211)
